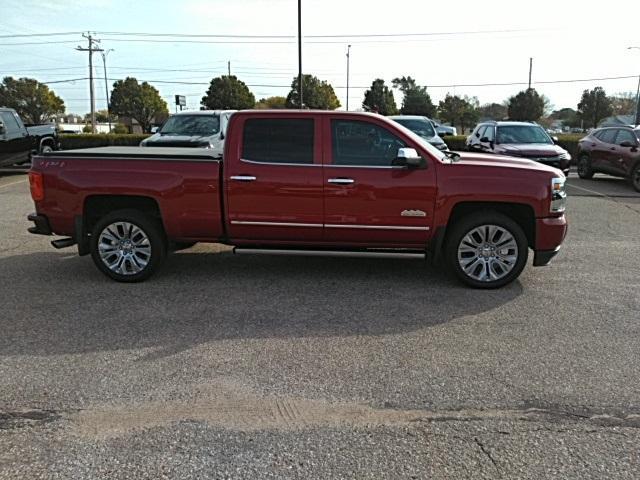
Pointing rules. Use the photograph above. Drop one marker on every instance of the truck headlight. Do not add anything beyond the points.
(558, 195)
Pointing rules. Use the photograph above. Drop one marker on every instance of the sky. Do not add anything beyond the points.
(443, 45)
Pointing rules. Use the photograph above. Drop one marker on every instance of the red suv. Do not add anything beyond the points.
(519, 139)
(612, 150)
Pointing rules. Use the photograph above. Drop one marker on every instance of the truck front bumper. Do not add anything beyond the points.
(41, 224)
(550, 233)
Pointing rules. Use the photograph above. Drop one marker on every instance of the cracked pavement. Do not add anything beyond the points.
(275, 367)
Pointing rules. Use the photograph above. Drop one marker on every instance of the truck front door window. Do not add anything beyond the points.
(357, 143)
(278, 140)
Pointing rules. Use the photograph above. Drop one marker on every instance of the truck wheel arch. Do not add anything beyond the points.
(521, 213)
(97, 206)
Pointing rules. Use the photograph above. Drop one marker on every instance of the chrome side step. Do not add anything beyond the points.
(409, 254)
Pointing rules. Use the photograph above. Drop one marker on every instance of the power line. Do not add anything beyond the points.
(53, 34)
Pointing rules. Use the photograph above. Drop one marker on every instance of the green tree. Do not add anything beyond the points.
(316, 94)
(594, 106)
(527, 105)
(228, 93)
(271, 102)
(33, 100)
(379, 99)
(139, 101)
(568, 117)
(102, 116)
(624, 103)
(493, 111)
(416, 100)
(459, 111)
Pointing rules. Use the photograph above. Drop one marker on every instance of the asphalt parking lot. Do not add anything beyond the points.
(272, 367)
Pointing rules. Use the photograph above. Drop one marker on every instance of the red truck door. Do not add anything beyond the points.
(367, 199)
(273, 175)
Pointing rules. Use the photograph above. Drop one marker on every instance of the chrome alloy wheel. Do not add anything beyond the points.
(487, 253)
(124, 248)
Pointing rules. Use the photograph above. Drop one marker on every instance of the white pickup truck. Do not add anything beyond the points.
(197, 129)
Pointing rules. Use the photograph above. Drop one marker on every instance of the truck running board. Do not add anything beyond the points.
(63, 243)
(409, 254)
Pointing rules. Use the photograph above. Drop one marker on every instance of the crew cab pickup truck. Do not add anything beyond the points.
(303, 183)
(18, 142)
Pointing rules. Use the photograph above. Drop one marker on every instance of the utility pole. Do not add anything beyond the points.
(300, 82)
(348, 56)
(530, 69)
(636, 117)
(229, 67)
(91, 49)
(106, 85)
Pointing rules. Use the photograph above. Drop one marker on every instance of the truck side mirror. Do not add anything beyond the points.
(2, 129)
(484, 139)
(555, 139)
(408, 157)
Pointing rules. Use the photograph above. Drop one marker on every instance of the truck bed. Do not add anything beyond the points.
(189, 198)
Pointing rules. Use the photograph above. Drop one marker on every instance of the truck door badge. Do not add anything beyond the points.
(413, 213)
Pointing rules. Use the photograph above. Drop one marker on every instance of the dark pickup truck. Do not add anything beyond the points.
(18, 142)
(303, 183)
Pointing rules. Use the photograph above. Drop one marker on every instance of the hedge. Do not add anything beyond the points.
(71, 141)
(567, 141)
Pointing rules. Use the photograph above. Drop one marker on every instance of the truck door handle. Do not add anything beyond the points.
(243, 178)
(341, 181)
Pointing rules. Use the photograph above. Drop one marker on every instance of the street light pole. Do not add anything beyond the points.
(348, 57)
(636, 117)
(106, 85)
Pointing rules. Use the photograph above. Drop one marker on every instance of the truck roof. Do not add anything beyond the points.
(203, 112)
(168, 153)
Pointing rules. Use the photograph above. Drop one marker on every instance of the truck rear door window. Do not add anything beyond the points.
(364, 144)
(10, 123)
(278, 140)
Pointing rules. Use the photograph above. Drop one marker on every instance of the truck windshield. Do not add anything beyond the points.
(422, 128)
(192, 125)
(522, 134)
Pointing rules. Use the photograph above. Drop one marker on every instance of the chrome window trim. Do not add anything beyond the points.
(255, 162)
(390, 167)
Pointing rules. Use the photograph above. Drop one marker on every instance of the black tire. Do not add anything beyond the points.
(635, 177)
(584, 167)
(157, 245)
(45, 149)
(468, 224)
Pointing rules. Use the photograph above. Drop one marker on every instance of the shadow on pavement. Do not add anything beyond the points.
(57, 303)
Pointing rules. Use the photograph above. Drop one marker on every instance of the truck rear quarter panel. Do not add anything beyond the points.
(187, 192)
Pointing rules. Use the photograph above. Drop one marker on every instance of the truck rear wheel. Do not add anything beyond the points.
(128, 246)
(487, 250)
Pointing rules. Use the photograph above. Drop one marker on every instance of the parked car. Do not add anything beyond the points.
(199, 129)
(423, 127)
(612, 150)
(303, 183)
(444, 130)
(519, 139)
(18, 143)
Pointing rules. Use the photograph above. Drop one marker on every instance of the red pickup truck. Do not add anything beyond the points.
(303, 183)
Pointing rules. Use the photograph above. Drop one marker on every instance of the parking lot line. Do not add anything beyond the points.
(13, 183)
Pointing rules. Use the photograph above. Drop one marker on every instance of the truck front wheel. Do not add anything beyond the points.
(487, 249)
(128, 246)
